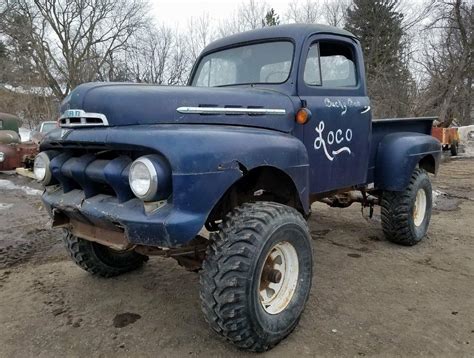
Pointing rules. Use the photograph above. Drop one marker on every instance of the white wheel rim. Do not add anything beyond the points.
(419, 209)
(279, 278)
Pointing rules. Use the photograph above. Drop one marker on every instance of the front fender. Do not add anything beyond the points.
(205, 149)
(397, 156)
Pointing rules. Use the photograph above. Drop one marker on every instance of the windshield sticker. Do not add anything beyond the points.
(332, 137)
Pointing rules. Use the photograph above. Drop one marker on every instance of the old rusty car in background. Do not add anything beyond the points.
(14, 153)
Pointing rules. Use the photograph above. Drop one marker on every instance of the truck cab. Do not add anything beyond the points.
(220, 174)
(324, 74)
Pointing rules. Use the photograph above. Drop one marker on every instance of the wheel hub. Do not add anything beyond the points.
(279, 278)
(419, 209)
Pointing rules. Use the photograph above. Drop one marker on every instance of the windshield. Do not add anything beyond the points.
(268, 62)
(47, 127)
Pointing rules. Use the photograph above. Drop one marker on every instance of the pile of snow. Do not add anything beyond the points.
(25, 134)
(4, 206)
(466, 139)
(8, 185)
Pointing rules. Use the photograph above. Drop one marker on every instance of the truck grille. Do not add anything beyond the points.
(103, 172)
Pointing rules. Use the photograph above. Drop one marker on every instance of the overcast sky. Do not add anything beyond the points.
(177, 12)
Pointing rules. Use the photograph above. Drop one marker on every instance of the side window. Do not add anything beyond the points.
(334, 67)
(312, 74)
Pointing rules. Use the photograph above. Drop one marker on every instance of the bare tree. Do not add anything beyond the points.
(252, 13)
(5, 8)
(156, 55)
(69, 41)
(180, 62)
(308, 11)
(199, 34)
(31, 104)
(449, 62)
(249, 16)
(334, 12)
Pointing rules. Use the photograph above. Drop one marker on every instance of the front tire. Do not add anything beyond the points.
(406, 214)
(100, 260)
(256, 277)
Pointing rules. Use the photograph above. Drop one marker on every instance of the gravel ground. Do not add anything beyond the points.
(369, 297)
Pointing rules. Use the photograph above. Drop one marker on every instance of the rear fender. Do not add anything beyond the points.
(398, 155)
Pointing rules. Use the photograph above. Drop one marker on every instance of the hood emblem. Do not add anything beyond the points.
(80, 118)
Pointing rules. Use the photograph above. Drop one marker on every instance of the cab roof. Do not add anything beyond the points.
(297, 32)
(9, 122)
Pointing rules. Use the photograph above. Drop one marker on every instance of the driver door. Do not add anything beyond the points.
(337, 136)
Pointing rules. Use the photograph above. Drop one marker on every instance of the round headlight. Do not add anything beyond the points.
(143, 179)
(41, 168)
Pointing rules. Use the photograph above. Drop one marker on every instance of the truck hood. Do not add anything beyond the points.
(136, 104)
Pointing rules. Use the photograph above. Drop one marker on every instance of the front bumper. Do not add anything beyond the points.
(170, 224)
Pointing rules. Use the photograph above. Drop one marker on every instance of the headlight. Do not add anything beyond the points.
(2, 157)
(41, 168)
(143, 179)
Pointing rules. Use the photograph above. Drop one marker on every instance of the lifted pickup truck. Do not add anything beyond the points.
(271, 121)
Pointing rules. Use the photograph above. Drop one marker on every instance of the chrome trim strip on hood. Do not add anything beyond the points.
(220, 110)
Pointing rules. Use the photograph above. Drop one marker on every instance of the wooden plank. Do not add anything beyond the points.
(25, 172)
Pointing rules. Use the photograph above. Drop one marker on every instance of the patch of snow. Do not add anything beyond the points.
(436, 195)
(8, 185)
(25, 134)
(34, 90)
(4, 206)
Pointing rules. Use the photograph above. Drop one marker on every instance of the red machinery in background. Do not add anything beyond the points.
(448, 137)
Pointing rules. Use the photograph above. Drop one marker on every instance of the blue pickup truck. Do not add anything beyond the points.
(221, 174)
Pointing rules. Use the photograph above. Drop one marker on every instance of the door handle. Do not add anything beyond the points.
(365, 109)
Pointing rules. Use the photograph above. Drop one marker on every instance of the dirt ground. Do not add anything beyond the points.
(369, 297)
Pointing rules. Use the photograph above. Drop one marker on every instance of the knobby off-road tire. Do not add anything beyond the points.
(406, 214)
(100, 260)
(259, 247)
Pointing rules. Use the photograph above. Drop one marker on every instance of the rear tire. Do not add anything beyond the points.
(256, 277)
(454, 149)
(406, 214)
(100, 260)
